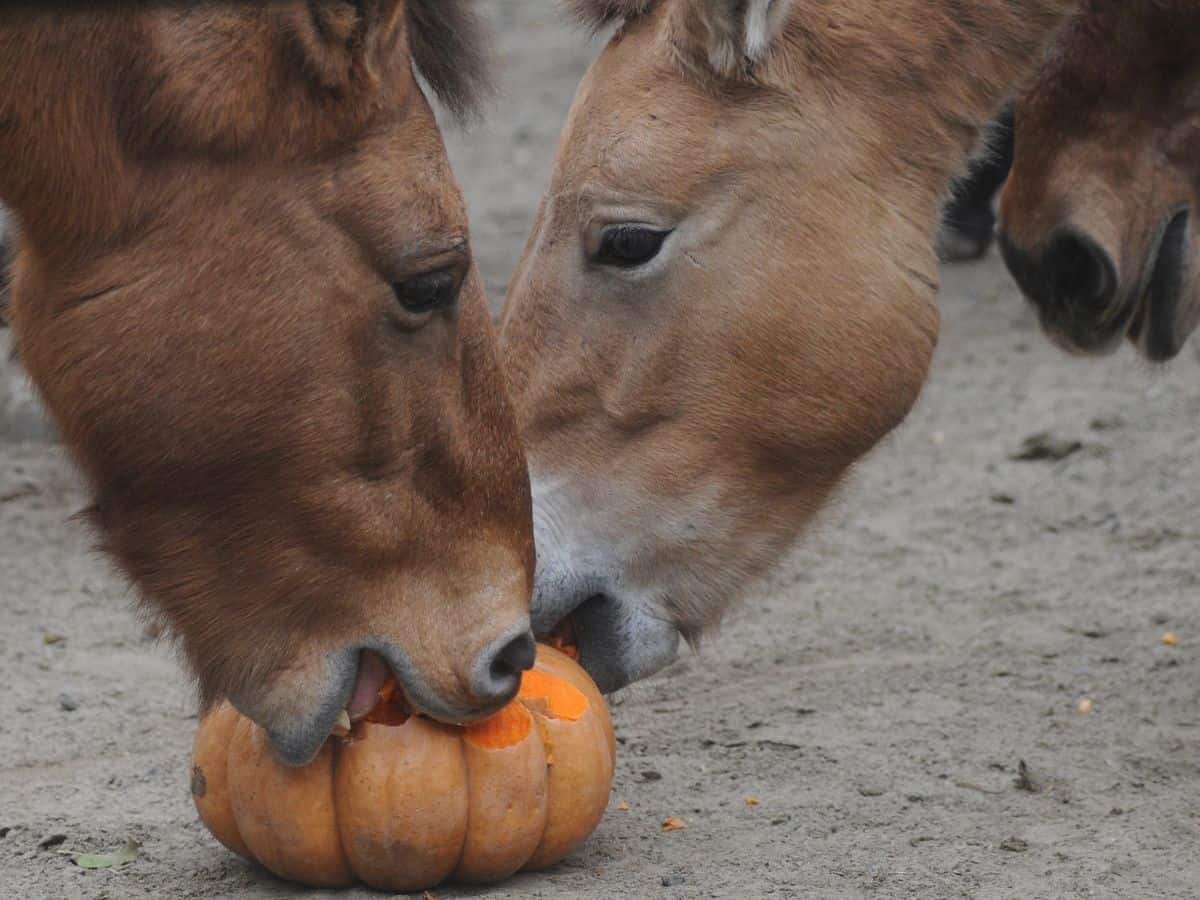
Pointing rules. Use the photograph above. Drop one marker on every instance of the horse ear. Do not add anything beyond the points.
(338, 37)
(731, 37)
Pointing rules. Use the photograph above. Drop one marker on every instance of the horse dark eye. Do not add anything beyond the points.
(429, 291)
(627, 246)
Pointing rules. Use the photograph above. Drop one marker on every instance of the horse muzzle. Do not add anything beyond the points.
(1084, 304)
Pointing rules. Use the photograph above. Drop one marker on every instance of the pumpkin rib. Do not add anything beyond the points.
(245, 735)
(558, 663)
(210, 778)
(280, 812)
(398, 786)
(334, 758)
(503, 783)
(237, 826)
(571, 792)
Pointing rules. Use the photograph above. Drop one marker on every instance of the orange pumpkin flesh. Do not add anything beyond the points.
(403, 802)
(505, 728)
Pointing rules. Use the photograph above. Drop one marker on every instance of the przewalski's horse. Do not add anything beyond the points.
(1097, 218)
(729, 294)
(246, 293)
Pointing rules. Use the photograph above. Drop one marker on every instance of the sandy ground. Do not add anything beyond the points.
(877, 696)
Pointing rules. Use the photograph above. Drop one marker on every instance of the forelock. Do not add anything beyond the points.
(448, 47)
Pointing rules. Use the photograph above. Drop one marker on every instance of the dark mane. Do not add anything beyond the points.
(448, 49)
(598, 13)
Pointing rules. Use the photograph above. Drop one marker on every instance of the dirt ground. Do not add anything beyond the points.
(877, 696)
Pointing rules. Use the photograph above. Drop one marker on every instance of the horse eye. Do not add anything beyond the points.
(627, 246)
(429, 291)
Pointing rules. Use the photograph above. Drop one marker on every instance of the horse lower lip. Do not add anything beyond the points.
(372, 673)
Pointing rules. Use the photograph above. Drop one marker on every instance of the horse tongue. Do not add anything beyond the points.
(372, 673)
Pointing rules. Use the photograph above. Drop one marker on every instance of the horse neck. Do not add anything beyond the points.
(64, 164)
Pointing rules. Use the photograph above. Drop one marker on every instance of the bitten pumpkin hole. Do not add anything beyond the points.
(391, 708)
(506, 728)
(552, 696)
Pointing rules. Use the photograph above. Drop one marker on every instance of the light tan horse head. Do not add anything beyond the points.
(1098, 215)
(245, 289)
(729, 293)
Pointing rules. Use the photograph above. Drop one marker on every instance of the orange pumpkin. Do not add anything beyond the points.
(403, 803)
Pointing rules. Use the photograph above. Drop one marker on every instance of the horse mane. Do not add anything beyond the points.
(447, 42)
(598, 13)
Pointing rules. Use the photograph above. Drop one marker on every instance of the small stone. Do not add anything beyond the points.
(1014, 845)
(871, 791)
(1003, 499)
(1025, 780)
(673, 880)
(1170, 639)
(67, 703)
(1085, 707)
(651, 775)
(674, 823)
(50, 638)
(4, 831)
(623, 806)
(783, 820)
(752, 801)
(1106, 423)
(1045, 447)
(51, 840)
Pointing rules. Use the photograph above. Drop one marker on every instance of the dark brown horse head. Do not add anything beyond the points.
(1097, 217)
(246, 292)
(729, 293)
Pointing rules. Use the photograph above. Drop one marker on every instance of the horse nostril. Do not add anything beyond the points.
(1080, 274)
(515, 657)
(499, 668)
